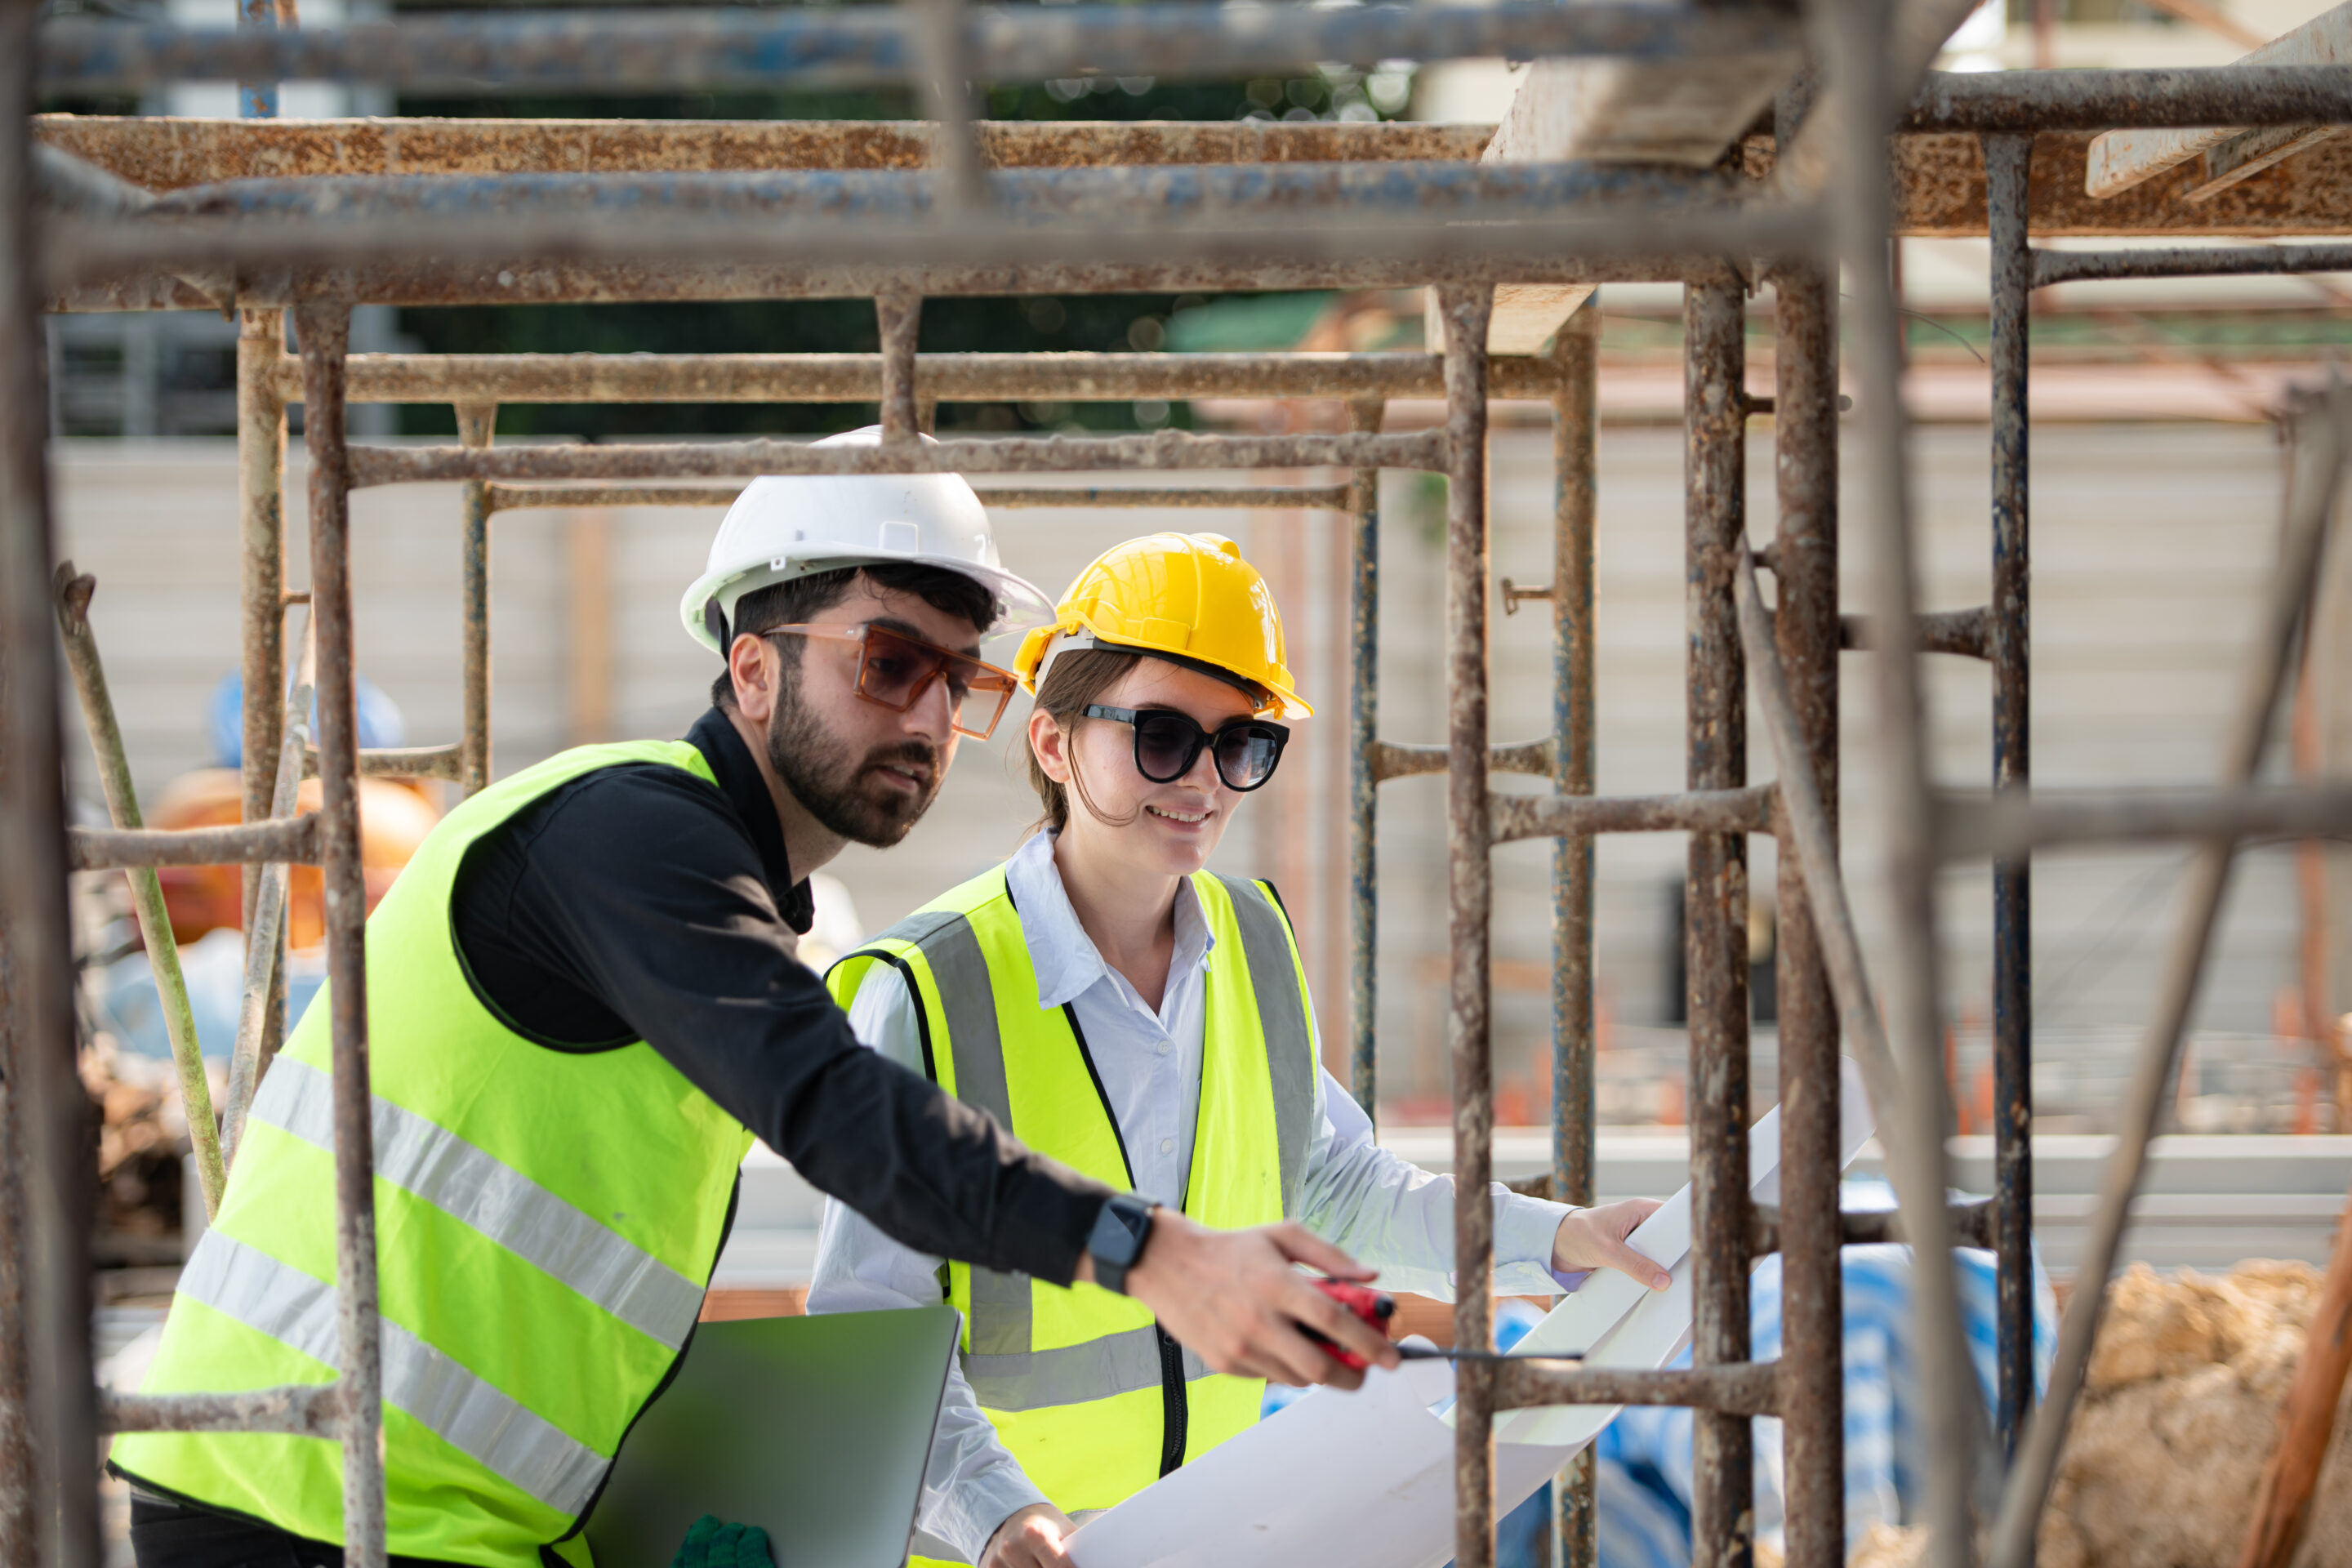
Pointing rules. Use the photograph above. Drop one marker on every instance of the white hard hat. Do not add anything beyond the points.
(794, 525)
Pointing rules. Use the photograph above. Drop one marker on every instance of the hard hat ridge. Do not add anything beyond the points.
(786, 526)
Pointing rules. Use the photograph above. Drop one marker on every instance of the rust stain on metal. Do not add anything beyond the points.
(168, 154)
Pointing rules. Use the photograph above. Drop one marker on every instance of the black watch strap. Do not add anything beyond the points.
(1117, 1240)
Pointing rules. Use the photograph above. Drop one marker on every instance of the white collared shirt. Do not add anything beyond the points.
(1384, 1211)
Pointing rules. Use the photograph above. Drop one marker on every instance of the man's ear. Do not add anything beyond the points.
(752, 663)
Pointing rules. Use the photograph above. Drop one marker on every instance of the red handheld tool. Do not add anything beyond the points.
(1376, 1308)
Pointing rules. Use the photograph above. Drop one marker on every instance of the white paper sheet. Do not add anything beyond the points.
(1367, 1479)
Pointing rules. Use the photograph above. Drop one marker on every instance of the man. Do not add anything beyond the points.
(583, 1006)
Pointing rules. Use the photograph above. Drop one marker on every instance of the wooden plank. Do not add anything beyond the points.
(2119, 159)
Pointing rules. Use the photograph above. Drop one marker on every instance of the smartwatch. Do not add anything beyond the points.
(1117, 1238)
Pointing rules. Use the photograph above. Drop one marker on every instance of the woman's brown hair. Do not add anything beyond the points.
(1076, 679)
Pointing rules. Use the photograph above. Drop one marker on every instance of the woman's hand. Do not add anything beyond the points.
(1595, 1238)
(1029, 1538)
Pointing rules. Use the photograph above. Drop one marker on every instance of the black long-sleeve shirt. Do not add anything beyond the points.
(636, 902)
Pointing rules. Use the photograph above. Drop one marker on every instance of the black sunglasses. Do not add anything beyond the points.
(1167, 745)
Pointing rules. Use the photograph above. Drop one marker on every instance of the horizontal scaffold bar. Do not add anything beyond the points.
(401, 762)
(1964, 632)
(2103, 99)
(944, 378)
(2052, 266)
(1940, 176)
(720, 50)
(302, 1410)
(1748, 810)
(291, 840)
(1971, 1225)
(1390, 761)
(2007, 825)
(1326, 498)
(423, 238)
(1050, 454)
(1742, 1388)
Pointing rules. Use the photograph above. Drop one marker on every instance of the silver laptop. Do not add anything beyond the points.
(816, 1429)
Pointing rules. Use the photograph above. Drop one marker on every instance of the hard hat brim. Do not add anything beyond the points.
(1026, 605)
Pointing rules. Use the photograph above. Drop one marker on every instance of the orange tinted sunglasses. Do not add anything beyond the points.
(895, 670)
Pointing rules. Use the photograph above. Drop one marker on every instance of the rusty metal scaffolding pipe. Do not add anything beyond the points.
(2317, 470)
(477, 425)
(245, 844)
(1851, 36)
(261, 999)
(949, 377)
(301, 1410)
(80, 643)
(261, 400)
(714, 50)
(2007, 823)
(1363, 508)
(2103, 100)
(1972, 1226)
(445, 762)
(1748, 809)
(1267, 498)
(1168, 449)
(2049, 266)
(463, 239)
(324, 332)
(1737, 1390)
(1575, 425)
(1470, 886)
(1715, 943)
(51, 1109)
(1806, 635)
(1937, 631)
(1389, 759)
(2007, 629)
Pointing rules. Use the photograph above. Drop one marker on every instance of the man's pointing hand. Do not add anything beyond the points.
(1233, 1298)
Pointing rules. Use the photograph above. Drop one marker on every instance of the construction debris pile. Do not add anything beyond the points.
(142, 1138)
(2180, 1413)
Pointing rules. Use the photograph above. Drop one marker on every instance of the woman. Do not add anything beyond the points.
(1122, 1009)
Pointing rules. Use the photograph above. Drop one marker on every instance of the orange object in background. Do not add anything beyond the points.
(395, 817)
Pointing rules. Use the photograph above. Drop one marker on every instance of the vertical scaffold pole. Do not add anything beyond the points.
(1575, 417)
(1466, 310)
(324, 330)
(2007, 188)
(477, 425)
(1714, 412)
(1364, 417)
(261, 590)
(53, 1113)
(1852, 38)
(1805, 626)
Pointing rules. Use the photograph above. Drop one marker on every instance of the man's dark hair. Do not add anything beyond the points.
(803, 598)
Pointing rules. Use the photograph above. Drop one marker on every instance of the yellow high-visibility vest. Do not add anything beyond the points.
(546, 1224)
(1082, 1385)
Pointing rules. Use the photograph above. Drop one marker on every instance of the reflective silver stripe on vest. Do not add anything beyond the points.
(1000, 1303)
(434, 1163)
(1098, 1369)
(281, 1301)
(1289, 1051)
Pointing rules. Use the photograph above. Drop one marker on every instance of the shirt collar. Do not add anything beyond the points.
(1065, 958)
(740, 780)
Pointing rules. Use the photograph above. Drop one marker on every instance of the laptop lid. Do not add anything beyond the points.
(816, 1429)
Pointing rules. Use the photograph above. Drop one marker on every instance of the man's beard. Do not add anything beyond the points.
(814, 764)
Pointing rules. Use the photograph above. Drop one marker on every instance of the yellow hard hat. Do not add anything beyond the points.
(1186, 596)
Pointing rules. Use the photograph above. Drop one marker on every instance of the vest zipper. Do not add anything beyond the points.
(1173, 1401)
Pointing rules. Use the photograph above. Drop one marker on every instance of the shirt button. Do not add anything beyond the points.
(1167, 1145)
(1164, 1048)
